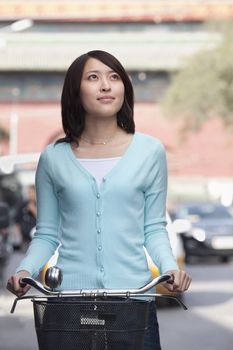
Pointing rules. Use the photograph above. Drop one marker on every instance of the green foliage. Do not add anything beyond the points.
(204, 87)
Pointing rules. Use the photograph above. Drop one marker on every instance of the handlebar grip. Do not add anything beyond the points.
(36, 284)
(22, 283)
(171, 280)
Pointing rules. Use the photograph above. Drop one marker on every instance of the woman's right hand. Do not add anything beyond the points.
(14, 286)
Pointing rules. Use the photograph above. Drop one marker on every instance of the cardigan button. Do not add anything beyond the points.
(98, 213)
(104, 179)
(99, 247)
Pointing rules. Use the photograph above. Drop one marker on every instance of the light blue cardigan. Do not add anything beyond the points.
(102, 230)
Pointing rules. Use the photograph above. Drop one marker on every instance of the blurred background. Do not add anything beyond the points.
(179, 55)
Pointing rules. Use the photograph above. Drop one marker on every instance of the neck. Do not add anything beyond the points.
(96, 131)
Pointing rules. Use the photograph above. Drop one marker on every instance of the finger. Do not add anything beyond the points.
(188, 282)
(16, 285)
(26, 289)
(177, 281)
(169, 286)
(171, 280)
(10, 287)
(185, 282)
(23, 290)
(181, 285)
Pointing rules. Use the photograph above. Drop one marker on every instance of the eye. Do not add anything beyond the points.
(92, 77)
(115, 76)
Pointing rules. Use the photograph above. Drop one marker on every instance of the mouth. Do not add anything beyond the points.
(106, 98)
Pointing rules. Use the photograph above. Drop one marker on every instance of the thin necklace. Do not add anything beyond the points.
(97, 142)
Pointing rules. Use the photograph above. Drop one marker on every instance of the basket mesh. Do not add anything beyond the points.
(90, 324)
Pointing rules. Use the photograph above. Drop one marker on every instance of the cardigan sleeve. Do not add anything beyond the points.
(156, 237)
(45, 240)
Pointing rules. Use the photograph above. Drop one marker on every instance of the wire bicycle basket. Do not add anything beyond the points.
(90, 324)
(98, 319)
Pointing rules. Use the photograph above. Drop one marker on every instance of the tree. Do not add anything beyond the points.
(204, 87)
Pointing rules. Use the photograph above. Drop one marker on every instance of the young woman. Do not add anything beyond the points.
(101, 191)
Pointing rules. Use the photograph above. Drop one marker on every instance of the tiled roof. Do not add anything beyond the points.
(137, 51)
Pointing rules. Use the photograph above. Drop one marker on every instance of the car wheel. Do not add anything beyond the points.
(225, 259)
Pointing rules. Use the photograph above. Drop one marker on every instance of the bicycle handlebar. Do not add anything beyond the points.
(96, 292)
(99, 292)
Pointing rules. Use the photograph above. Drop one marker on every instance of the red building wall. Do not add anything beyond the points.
(208, 152)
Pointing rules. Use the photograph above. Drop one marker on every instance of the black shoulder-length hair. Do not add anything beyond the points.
(73, 113)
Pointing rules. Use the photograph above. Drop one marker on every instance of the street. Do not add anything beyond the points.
(207, 325)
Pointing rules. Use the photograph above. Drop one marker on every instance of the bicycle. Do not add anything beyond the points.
(90, 319)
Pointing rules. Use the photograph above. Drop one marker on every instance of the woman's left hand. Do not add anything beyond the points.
(180, 281)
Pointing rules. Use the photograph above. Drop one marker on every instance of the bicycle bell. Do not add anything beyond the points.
(53, 277)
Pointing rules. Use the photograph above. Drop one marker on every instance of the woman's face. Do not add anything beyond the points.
(101, 91)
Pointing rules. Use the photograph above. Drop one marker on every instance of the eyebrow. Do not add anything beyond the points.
(97, 71)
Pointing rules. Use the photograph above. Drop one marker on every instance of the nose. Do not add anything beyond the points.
(105, 84)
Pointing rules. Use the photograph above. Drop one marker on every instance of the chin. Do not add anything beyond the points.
(103, 114)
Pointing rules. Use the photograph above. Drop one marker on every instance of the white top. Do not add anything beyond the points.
(99, 167)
